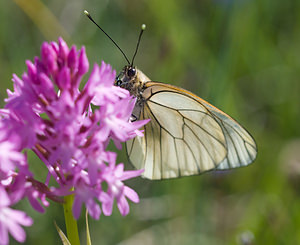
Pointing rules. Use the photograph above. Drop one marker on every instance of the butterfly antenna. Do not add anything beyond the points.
(143, 27)
(91, 19)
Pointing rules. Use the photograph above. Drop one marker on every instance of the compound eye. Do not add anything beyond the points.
(131, 72)
(119, 82)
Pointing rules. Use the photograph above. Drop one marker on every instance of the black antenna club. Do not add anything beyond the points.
(143, 27)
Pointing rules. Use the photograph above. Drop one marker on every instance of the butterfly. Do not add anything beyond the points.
(186, 135)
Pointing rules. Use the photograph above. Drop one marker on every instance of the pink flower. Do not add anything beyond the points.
(114, 175)
(69, 130)
(11, 220)
(85, 194)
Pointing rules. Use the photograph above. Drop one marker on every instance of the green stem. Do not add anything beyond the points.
(71, 223)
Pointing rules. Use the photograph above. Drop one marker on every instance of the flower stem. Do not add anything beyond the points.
(71, 223)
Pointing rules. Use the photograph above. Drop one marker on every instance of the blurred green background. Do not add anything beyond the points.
(242, 56)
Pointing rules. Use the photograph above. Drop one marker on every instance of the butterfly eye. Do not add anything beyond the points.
(131, 72)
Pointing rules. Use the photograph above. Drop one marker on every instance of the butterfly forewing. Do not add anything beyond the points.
(186, 136)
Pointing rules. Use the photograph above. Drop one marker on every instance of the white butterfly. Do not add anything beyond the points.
(186, 135)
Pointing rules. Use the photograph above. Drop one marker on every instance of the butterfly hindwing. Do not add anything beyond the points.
(186, 136)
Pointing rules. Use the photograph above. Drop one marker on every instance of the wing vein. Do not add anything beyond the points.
(201, 142)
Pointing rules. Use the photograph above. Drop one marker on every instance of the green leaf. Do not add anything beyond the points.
(88, 237)
(63, 237)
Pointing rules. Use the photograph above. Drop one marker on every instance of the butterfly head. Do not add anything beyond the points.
(131, 79)
(127, 75)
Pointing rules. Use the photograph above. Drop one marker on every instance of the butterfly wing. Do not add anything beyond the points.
(186, 136)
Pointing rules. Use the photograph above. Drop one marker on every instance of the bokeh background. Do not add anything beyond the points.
(241, 55)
